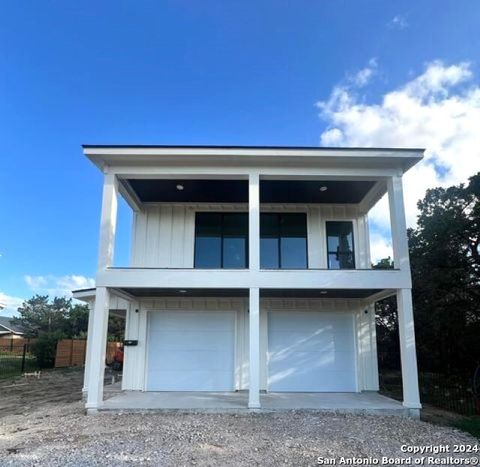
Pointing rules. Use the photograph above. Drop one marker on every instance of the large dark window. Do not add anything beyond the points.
(341, 254)
(283, 241)
(221, 240)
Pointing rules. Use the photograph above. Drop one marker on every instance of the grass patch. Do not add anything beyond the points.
(11, 364)
(470, 425)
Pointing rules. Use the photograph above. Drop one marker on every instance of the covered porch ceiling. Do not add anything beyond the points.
(208, 174)
(326, 293)
(264, 293)
(236, 191)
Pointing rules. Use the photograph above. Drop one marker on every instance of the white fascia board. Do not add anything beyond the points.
(402, 159)
(232, 279)
(84, 295)
(89, 295)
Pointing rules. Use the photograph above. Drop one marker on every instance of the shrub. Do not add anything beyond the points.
(45, 349)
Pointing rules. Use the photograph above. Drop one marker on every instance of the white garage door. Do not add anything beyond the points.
(191, 351)
(311, 352)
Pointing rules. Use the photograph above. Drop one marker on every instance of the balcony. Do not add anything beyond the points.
(167, 235)
(181, 281)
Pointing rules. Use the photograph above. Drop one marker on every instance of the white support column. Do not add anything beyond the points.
(254, 302)
(368, 348)
(108, 221)
(97, 338)
(98, 343)
(398, 223)
(131, 367)
(254, 354)
(254, 222)
(408, 353)
(411, 396)
(88, 353)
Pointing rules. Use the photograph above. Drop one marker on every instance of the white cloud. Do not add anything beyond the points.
(35, 282)
(362, 77)
(438, 110)
(60, 286)
(380, 246)
(398, 22)
(11, 304)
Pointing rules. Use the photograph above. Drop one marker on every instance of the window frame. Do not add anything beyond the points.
(222, 215)
(279, 243)
(354, 244)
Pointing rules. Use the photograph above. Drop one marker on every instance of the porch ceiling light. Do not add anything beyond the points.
(182, 291)
(323, 292)
(323, 188)
(180, 187)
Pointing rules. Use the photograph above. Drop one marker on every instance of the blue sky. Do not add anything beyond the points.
(209, 72)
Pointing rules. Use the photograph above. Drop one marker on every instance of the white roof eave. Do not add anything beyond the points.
(153, 155)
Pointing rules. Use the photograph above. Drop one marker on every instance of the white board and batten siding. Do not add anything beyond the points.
(164, 234)
(163, 237)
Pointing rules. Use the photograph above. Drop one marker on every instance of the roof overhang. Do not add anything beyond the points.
(150, 174)
(107, 156)
(84, 295)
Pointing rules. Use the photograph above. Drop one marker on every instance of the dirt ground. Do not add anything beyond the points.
(43, 422)
(22, 395)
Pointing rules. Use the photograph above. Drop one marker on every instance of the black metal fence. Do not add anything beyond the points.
(453, 393)
(16, 359)
(450, 393)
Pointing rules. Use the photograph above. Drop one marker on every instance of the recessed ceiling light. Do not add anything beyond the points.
(323, 292)
(323, 188)
(180, 187)
(182, 291)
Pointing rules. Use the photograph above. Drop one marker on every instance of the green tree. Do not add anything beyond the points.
(77, 321)
(386, 318)
(445, 260)
(38, 315)
(116, 328)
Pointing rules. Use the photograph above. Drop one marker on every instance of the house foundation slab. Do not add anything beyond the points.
(366, 402)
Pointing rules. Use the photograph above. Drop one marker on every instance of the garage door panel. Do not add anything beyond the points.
(194, 380)
(311, 351)
(302, 341)
(307, 382)
(306, 319)
(191, 351)
(192, 321)
(321, 360)
(191, 340)
(187, 360)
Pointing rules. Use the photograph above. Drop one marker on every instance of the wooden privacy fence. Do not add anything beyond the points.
(14, 346)
(71, 352)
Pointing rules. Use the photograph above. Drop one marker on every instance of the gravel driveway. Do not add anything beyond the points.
(57, 433)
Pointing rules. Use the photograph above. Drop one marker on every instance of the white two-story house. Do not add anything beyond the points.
(250, 275)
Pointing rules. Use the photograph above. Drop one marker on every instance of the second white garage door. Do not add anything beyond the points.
(311, 352)
(191, 351)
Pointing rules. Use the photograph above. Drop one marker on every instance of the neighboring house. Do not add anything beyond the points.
(250, 270)
(10, 330)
